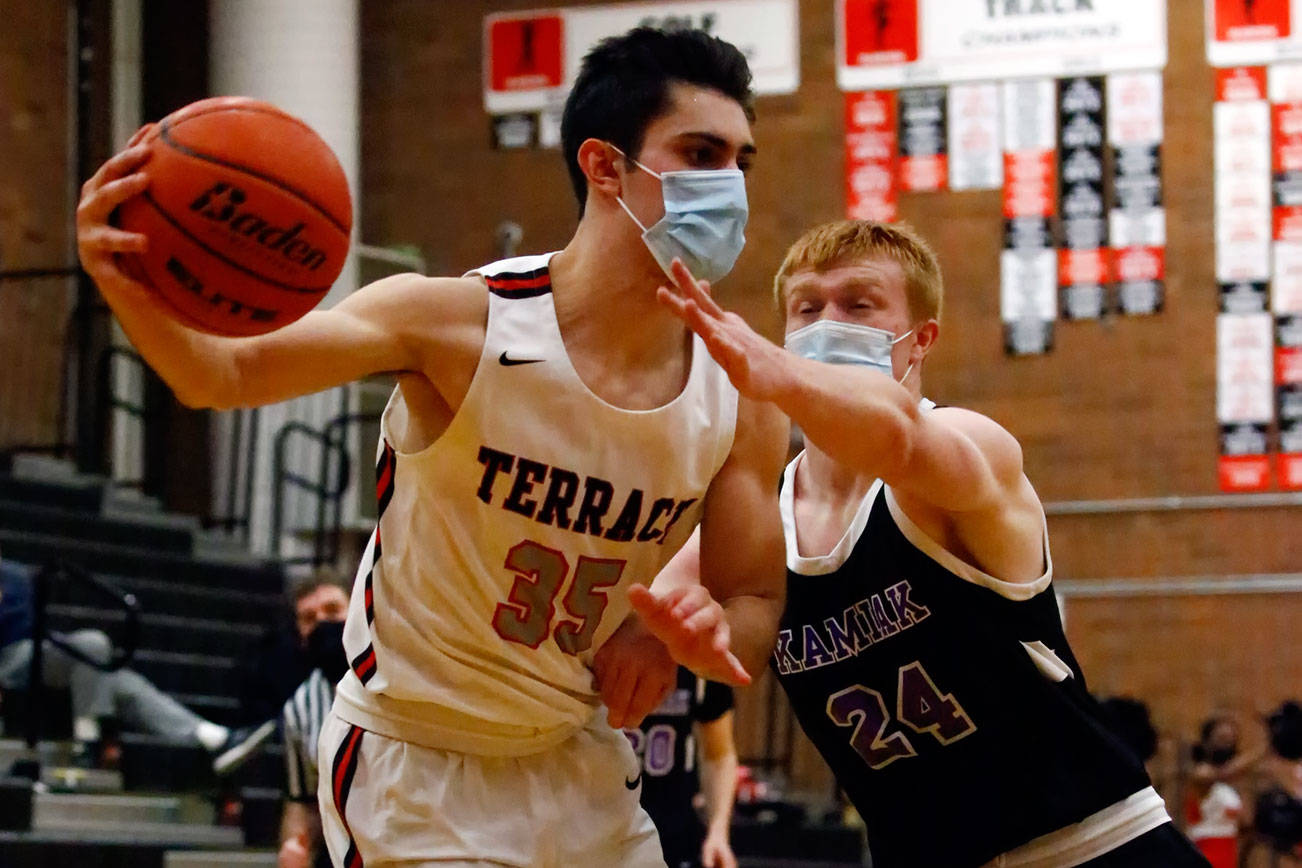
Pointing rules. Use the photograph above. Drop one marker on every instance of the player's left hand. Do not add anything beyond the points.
(755, 365)
(634, 672)
(715, 852)
(694, 628)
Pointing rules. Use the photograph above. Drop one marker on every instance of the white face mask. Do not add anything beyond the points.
(704, 223)
(844, 343)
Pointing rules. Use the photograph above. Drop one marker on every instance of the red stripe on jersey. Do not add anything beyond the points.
(537, 282)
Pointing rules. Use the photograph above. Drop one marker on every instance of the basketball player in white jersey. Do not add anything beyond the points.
(555, 436)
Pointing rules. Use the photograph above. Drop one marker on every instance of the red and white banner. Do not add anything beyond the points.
(903, 43)
(1135, 137)
(871, 154)
(976, 154)
(1252, 32)
(531, 58)
(1028, 264)
(1245, 399)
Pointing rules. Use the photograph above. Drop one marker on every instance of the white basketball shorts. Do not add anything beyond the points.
(386, 802)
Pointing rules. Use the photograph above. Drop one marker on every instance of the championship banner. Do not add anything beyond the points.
(890, 44)
(1083, 272)
(531, 58)
(923, 165)
(1288, 398)
(1243, 202)
(976, 156)
(1028, 266)
(1138, 217)
(1252, 32)
(1244, 399)
(870, 156)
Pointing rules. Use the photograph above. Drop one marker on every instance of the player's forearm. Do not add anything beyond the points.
(859, 417)
(720, 789)
(753, 628)
(300, 819)
(199, 368)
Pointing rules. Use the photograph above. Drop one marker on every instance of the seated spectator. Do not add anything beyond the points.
(123, 695)
(1278, 807)
(1213, 807)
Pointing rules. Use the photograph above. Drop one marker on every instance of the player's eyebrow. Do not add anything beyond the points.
(747, 148)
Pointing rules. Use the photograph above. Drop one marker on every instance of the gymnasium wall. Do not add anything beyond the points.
(34, 218)
(1122, 408)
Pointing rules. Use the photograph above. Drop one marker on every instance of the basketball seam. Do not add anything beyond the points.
(250, 272)
(165, 134)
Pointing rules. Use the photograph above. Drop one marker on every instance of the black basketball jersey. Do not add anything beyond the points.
(666, 745)
(947, 703)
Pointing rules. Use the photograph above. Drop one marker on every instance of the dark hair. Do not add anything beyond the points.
(300, 586)
(623, 86)
(1285, 725)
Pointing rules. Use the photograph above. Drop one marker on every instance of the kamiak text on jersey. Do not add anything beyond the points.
(867, 622)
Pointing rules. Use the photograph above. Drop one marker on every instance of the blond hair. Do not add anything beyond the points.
(845, 241)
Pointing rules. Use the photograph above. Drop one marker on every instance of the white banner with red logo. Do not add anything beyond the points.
(531, 58)
(902, 43)
(976, 154)
(1253, 32)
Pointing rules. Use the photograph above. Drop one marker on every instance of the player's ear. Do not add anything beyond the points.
(926, 337)
(598, 162)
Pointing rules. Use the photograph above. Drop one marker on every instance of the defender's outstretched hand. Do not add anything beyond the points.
(693, 627)
(756, 366)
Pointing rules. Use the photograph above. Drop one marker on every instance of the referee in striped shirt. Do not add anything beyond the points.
(301, 719)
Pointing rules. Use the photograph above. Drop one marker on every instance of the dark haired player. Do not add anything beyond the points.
(555, 436)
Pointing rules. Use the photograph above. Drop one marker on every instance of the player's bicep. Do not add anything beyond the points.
(741, 549)
(961, 461)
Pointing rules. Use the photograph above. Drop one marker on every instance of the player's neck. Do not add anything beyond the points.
(600, 289)
(821, 477)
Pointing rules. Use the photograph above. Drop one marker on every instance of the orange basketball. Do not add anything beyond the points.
(247, 212)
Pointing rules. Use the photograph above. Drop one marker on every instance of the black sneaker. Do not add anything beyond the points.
(241, 744)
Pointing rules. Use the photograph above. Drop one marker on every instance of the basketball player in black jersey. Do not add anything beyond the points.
(921, 645)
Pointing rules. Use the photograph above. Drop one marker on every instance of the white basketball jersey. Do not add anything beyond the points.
(505, 549)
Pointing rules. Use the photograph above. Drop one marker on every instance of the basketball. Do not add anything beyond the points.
(247, 213)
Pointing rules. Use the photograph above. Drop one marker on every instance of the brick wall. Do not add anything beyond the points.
(1123, 408)
(34, 216)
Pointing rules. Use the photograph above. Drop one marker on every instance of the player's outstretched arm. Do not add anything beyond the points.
(397, 324)
(956, 460)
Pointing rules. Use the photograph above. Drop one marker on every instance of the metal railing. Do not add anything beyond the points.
(328, 493)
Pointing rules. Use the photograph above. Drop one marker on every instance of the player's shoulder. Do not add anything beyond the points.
(978, 426)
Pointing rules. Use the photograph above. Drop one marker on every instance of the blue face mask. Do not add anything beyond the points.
(844, 343)
(704, 223)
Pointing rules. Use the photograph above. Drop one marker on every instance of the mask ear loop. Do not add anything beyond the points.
(909, 369)
(620, 199)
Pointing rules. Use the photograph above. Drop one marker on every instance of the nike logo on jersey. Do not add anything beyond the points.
(633, 784)
(503, 359)
(860, 626)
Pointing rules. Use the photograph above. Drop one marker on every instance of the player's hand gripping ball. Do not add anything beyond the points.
(247, 212)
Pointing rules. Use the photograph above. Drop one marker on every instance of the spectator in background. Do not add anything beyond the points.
(1213, 807)
(666, 745)
(320, 608)
(122, 695)
(1278, 809)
